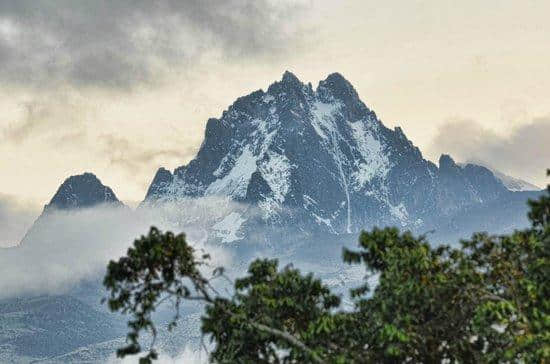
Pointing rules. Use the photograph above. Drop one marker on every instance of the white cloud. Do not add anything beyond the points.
(65, 247)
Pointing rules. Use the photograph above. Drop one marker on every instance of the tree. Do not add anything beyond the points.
(486, 301)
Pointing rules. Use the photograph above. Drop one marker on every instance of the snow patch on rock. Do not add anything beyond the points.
(321, 220)
(236, 181)
(228, 228)
(400, 212)
(376, 162)
(322, 120)
(268, 98)
(276, 172)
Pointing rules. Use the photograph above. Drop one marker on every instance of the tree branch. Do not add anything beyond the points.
(286, 336)
(289, 338)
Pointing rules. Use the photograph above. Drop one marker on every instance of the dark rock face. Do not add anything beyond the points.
(80, 191)
(322, 160)
(162, 180)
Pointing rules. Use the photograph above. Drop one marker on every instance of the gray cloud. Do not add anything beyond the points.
(15, 219)
(59, 111)
(139, 161)
(121, 43)
(523, 153)
(133, 156)
(34, 116)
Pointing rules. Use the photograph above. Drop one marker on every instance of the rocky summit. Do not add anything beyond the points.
(322, 160)
(84, 190)
(76, 192)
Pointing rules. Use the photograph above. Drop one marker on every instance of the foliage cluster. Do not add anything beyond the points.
(485, 301)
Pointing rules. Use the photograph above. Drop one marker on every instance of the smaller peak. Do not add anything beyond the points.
(82, 190)
(162, 170)
(289, 77)
(163, 175)
(289, 84)
(336, 77)
(339, 87)
(86, 176)
(446, 161)
(336, 81)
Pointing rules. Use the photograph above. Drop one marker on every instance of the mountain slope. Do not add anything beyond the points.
(320, 159)
(52, 325)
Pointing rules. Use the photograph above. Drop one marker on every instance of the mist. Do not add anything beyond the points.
(65, 247)
(15, 218)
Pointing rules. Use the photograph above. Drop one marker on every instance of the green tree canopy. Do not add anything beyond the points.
(486, 301)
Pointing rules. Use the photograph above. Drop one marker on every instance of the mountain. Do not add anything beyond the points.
(76, 192)
(321, 160)
(303, 170)
(307, 160)
(80, 191)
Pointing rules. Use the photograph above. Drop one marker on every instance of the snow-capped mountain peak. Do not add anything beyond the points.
(319, 157)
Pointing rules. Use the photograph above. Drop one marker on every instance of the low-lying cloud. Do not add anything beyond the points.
(65, 247)
(523, 153)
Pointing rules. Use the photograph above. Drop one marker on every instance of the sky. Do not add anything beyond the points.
(122, 88)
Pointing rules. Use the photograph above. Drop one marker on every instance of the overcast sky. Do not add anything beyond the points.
(121, 88)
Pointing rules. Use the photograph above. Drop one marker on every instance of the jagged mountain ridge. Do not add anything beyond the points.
(309, 160)
(323, 160)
